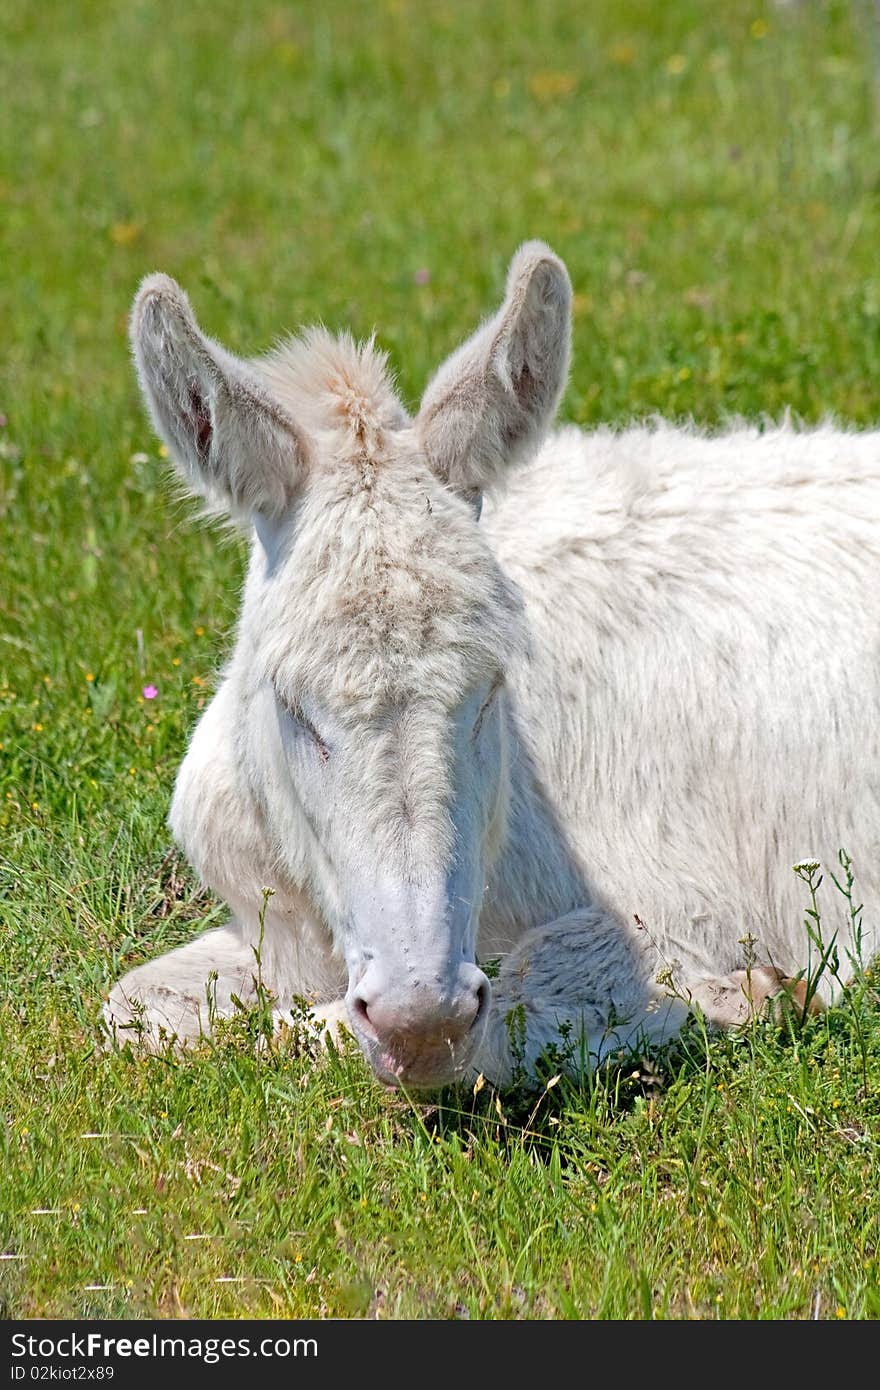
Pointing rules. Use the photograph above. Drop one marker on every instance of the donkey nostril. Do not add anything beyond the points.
(362, 1015)
(483, 994)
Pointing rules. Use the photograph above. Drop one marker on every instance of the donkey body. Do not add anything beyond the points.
(634, 690)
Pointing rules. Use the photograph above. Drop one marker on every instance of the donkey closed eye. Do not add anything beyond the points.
(486, 706)
(304, 726)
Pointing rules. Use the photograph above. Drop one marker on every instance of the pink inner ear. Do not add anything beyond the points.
(200, 423)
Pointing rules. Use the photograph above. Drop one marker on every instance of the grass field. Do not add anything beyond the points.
(710, 173)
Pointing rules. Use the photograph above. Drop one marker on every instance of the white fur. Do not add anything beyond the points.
(688, 632)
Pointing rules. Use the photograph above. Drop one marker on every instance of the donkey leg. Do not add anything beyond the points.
(586, 985)
(583, 984)
(730, 1000)
(176, 996)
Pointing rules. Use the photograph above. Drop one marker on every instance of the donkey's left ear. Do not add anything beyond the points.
(493, 400)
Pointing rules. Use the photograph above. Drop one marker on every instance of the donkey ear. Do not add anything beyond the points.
(231, 441)
(493, 400)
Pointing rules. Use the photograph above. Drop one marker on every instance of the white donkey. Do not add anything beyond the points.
(642, 683)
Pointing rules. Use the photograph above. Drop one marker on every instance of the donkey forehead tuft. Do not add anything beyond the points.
(331, 382)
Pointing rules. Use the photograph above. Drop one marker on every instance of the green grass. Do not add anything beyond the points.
(710, 174)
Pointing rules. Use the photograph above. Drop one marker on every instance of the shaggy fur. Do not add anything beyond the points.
(643, 685)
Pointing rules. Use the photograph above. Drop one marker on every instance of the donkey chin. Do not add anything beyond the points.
(424, 1064)
(418, 1060)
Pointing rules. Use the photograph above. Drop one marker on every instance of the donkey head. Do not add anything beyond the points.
(368, 680)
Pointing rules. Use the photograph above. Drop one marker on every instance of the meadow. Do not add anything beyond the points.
(711, 176)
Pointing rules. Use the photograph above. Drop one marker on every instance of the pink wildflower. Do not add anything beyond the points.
(149, 692)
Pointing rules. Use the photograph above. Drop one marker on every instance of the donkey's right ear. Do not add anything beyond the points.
(232, 443)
